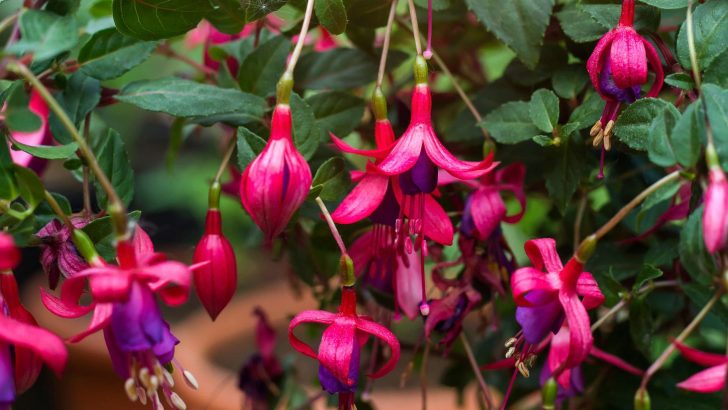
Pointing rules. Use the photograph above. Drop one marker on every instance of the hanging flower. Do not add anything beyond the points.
(139, 340)
(709, 380)
(41, 136)
(215, 283)
(278, 180)
(59, 255)
(548, 293)
(339, 350)
(447, 314)
(618, 69)
(262, 373)
(715, 211)
(9, 253)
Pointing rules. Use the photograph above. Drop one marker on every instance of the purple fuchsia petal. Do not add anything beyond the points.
(137, 322)
(527, 280)
(363, 200)
(7, 378)
(609, 87)
(119, 359)
(546, 316)
(421, 178)
(709, 380)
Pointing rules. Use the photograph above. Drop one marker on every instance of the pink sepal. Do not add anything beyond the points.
(615, 361)
(308, 316)
(362, 200)
(44, 344)
(700, 357)
(709, 380)
(385, 335)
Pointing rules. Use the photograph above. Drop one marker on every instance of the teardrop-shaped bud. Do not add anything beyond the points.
(215, 281)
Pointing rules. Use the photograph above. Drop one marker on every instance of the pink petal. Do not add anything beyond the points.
(143, 245)
(715, 211)
(511, 179)
(337, 347)
(41, 136)
(344, 147)
(362, 200)
(109, 287)
(308, 316)
(525, 280)
(408, 284)
(59, 307)
(46, 345)
(700, 357)
(405, 153)
(580, 341)
(615, 361)
(588, 288)
(627, 58)
(439, 155)
(559, 354)
(171, 280)
(488, 210)
(437, 225)
(383, 134)
(383, 334)
(542, 253)
(197, 35)
(656, 65)
(596, 61)
(709, 380)
(99, 320)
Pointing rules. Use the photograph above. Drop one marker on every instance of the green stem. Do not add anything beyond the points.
(415, 27)
(476, 369)
(385, 45)
(623, 302)
(301, 39)
(680, 338)
(59, 212)
(116, 208)
(332, 226)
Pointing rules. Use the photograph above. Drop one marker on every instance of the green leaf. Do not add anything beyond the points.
(641, 324)
(337, 69)
(8, 187)
(63, 7)
(177, 136)
(158, 19)
(667, 4)
(368, 13)
(693, 255)
(81, 95)
(114, 162)
(29, 187)
(332, 15)
(109, 54)
(567, 167)
(570, 80)
(633, 125)
(608, 15)
(584, 23)
(700, 295)
(520, 24)
(662, 150)
(249, 146)
(48, 151)
(331, 180)
(543, 140)
(306, 131)
(664, 193)
(45, 34)
(589, 111)
(710, 24)
(262, 68)
(336, 112)
(717, 72)
(647, 274)
(17, 115)
(184, 98)
(686, 134)
(578, 25)
(511, 123)
(716, 100)
(228, 16)
(544, 110)
(680, 80)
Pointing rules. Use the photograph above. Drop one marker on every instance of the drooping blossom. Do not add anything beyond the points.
(447, 314)
(278, 180)
(548, 295)
(709, 380)
(340, 347)
(41, 136)
(139, 341)
(59, 255)
(618, 69)
(215, 282)
(9, 253)
(715, 211)
(263, 369)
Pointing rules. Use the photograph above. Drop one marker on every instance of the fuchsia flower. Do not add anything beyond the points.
(709, 380)
(59, 255)
(278, 180)
(447, 314)
(338, 353)
(548, 293)
(715, 211)
(41, 136)
(9, 254)
(618, 68)
(262, 368)
(139, 340)
(216, 281)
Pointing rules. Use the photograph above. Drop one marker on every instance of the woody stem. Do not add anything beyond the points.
(385, 45)
(415, 27)
(680, 338)
(476, 370)
(332, 226)
(116, 207)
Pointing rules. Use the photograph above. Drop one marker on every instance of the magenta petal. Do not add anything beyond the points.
(171, 280)
(99, 320)
(588, 288)
(445, 160)
(344, 147)
(627, 58)
(338, 343)
(700, 357)
(385, 335)
(656, 65)
(525, 280)
(542, 253)
(110, 285)
(579, 328)
(409, 285)
(46, 345)
(715, 211)
(596, 61)
(405, 153)
(308, 316)
(615, 361)
(709, 380)
(559, 354)
(487, 209)
(437, 225)
(41, 136)
(362, 200)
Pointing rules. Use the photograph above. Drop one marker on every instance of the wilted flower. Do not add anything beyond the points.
(59, 255)
(618, 68)
(278, 180)
(339, 350)
(447, 313)
(709, 380)
(215, 282)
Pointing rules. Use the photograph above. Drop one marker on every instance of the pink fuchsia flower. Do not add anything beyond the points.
(59, 255)
(447, 314)
(139, 340)
(618, 69)
(548, 293)
(715, 211)
(278, 180)
(262, 370)
(339, 350)
(709, 380)
(9, 253)
(41, 136)
(215, 282)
